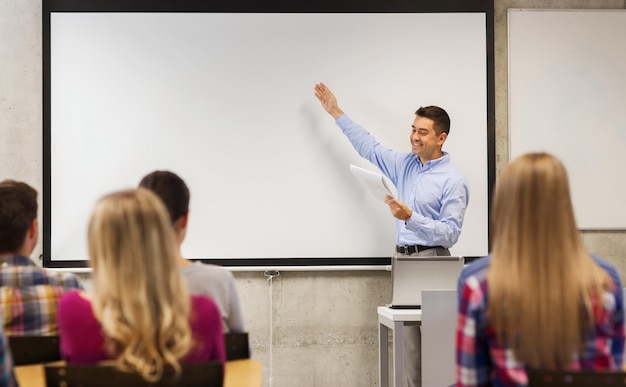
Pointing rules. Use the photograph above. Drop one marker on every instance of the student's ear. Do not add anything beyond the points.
(33, 230)
(32, 235)
(184, 219)
(180, 227)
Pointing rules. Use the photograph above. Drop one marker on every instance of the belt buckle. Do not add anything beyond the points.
(405, 250)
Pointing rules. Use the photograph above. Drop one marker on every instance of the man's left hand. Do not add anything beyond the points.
(398, 209)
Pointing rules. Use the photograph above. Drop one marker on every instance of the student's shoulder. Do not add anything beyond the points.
(477, 268)
(610, 269)
(70, 280)
(202, 302)
(53, 277)
(205, 310)
(74, 303)
(207, 270)
(75, 297)
(75, 315)
(24, 274)
(606, 265)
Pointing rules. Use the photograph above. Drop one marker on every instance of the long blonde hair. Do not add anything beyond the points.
(139, 298)
(541, 279)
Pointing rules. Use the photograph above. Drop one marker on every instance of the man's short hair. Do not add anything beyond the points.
(171, 189)
(18, 209)
(441, 120)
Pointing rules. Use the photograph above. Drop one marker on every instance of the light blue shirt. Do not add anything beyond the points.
(436, 192)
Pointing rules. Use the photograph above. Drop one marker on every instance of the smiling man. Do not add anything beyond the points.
(432, 193)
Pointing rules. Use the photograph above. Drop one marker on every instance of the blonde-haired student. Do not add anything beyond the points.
(139, 314)
(540, 300)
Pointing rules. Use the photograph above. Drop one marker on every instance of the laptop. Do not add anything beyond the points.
(411, 275)
(537, 378)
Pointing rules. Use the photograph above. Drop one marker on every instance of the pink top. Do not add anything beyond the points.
(82, 339)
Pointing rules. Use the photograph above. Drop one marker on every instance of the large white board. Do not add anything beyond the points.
(226, 101)
(567, 89)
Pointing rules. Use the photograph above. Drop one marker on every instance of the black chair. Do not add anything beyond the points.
(545, 378)
(209, 374)
(34, 349)
(237, 346)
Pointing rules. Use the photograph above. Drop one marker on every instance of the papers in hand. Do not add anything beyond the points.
(375, 183)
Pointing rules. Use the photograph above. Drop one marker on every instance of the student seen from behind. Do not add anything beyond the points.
(28, 293)
(211, 280)
(7, 374)
(539, 300)
(139, 314)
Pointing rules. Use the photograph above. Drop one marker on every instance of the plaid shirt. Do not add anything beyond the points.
(7, 375)
(481, 360)
(29, 295)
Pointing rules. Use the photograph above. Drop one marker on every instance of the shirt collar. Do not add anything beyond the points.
(444, 158)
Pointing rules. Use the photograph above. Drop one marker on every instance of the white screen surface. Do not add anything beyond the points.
(226, 101)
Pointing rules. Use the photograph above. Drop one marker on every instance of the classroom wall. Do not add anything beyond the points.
(322, 324)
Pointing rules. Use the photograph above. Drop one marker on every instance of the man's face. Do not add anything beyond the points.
(425, 143)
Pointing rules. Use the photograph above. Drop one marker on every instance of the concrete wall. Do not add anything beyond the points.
(322, 325)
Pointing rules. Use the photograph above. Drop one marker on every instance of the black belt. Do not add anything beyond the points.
(414, 249)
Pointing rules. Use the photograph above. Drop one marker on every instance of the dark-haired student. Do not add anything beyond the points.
(210, 280)
(28, 293)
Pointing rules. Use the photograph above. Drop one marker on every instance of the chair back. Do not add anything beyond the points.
(210, 374)
(34, 349)
(581, 378)
(237, 346)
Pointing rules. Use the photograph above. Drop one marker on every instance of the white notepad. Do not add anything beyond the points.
(375, 183)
